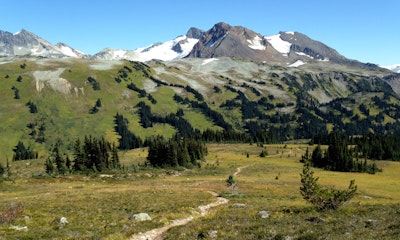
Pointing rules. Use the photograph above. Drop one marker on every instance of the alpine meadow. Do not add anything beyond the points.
(217, 134)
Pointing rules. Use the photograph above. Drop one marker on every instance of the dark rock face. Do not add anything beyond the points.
(223, 40)
(195, 33)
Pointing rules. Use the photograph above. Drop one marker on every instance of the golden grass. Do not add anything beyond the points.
(98, 207)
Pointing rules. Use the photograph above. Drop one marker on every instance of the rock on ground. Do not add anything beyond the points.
(139, 217)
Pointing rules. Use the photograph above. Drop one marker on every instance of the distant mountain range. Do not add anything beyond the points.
(290, 49)
(26, 43)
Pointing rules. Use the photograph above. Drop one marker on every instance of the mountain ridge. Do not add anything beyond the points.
(25, 43)
(222, 40)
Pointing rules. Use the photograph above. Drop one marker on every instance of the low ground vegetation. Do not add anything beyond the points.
(96, 205)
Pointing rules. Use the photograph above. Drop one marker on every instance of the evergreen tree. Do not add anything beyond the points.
(68, 163)
(59, 161)
(263, 153)
(2, 170)
(177, 151)
(79, 157)
(127, 139)
(114, 157)
(98, 103)
(32, 107)
(321, 197)
(317, 158)
(95, 155)
(22, 153)
(49, 166)
(16, 92)
(305, 158)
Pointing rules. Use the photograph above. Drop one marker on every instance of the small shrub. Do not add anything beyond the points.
(321, 197)
(231, 183)
(263, 153)
(11, 213)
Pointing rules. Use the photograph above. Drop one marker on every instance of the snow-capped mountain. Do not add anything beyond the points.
(116, 54)
(284, 47)
(291, 49)
(24, 43)
(223, 40)
(167, 51)
(394, 68)
(69, 51)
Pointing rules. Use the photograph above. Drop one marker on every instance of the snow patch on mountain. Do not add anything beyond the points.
(394, 68)
(165, 52)
(116, 54)
(68, 51)
(279, 45)
(208, 61)
(105, 64)
(256, 43)
(303, 54)
(298, 63)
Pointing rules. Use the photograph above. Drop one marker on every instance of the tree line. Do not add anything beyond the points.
(178, 151)
(91, 155)
(339, 156)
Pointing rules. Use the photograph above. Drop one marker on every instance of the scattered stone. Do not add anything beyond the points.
(106, 176)
(139, 217)
(239, 205)
(59, 223)
(370, 223)
(315, 219)
(125, 227)
(212, 233)
(18, 228)
(263, 214)
(26, 218)
(63, 220)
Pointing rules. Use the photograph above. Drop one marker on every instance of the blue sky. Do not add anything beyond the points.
(366, 30)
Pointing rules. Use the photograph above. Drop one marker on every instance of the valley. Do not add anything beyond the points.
(89, 141)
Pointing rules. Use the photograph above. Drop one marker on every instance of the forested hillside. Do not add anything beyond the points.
(46, 101)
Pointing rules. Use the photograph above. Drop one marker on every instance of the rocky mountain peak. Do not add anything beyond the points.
(291, 49)
(224, 40)
(194, 33)
(25, 43)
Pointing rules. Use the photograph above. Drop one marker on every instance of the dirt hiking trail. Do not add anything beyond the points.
(156, 233)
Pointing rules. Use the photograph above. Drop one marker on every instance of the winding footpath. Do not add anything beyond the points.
(156, 234)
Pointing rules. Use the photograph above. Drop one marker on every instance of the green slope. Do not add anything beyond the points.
(290, 102)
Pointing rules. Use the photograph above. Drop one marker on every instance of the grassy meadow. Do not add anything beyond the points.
(98, 206)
